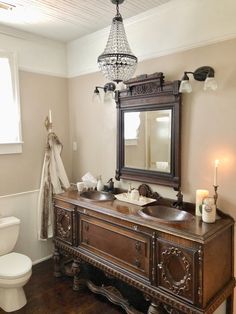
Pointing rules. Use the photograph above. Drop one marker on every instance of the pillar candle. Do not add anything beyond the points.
(200, 195)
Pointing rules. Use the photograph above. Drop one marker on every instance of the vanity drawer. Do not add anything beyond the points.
(123, 247)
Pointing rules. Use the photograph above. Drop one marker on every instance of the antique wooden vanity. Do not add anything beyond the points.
(184, 267)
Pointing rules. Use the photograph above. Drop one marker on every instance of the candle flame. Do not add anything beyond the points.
(217, 162)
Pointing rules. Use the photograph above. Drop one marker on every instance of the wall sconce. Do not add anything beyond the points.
(108, 89)
(205, 73)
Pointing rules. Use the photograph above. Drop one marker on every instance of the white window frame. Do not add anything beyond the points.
(13, 147)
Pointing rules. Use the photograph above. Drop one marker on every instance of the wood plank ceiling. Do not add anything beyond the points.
(66, 20)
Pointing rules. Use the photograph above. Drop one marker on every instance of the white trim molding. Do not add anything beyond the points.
(11, 148)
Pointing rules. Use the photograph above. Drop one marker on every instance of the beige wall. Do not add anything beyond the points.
(38, 93)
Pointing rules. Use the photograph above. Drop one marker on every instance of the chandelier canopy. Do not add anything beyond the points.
(117, 62)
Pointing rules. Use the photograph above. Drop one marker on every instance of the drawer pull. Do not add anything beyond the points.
(160, 266)
(85, 211)
(138, 246)
(135, 227)
(137, 263)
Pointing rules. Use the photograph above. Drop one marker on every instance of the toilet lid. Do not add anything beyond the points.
(14, 265)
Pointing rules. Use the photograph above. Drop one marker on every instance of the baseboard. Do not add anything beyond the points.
(42, 259)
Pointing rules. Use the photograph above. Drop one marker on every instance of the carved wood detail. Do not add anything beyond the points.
(146, 289)
(112, 294)
(63, 223)
(57, 266)
(146, 191)
(75, 271)
(182, 285)
(146, 89)
(200, 261)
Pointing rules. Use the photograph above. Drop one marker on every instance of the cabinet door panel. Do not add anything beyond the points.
(118, 245)
(176, 269)
(64, 222)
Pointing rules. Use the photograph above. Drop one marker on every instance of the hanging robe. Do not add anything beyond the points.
(53, 181)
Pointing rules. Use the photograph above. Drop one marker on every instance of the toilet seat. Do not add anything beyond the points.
(14, 265)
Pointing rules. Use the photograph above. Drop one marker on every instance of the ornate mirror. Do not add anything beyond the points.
(148, 141)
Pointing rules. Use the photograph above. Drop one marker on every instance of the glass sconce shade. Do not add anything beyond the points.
(117, 62)
(108, 96)
(185, 87)
(210, 84)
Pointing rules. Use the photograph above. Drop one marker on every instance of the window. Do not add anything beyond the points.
(10, 122)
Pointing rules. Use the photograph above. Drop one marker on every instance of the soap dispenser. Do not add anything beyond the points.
(100, 185)
(110, 185)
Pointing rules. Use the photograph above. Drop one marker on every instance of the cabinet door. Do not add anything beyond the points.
(177, 269)
(65, 222)
(127, 249)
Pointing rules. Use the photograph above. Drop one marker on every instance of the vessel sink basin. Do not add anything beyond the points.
(165, 214)
(97, 196)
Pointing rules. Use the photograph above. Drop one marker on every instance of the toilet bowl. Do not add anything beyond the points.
(15, 268)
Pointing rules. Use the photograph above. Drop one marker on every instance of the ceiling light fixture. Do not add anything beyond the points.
(117, 62)
(6, 6)
(204, 74)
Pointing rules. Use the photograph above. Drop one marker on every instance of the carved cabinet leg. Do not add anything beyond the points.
(76, 270)
(57, 258)
(154, 308)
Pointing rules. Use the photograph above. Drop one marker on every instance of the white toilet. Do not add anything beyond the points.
(15, 268)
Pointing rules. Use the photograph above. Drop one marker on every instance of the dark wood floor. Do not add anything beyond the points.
(49, 295)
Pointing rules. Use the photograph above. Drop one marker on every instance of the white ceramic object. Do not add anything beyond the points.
(15, 268)
(80, 186)
(209, 210)
(124, 197)
(134, 195)
(100, 185)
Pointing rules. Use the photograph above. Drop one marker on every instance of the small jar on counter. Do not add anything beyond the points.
(209, 210)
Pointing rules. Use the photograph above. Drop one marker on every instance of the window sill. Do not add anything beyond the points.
(11, 148)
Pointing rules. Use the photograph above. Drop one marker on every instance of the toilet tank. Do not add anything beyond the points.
(9, 231)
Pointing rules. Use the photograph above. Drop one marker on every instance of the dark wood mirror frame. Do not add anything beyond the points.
(145, 93)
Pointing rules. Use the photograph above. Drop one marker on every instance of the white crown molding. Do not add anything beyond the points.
(153, 55)
(42, 72)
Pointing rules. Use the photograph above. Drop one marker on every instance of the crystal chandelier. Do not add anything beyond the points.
(117, 62)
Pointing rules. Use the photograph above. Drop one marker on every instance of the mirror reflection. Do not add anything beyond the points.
(147, 140)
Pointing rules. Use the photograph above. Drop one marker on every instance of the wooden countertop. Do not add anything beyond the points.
(195, 229)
